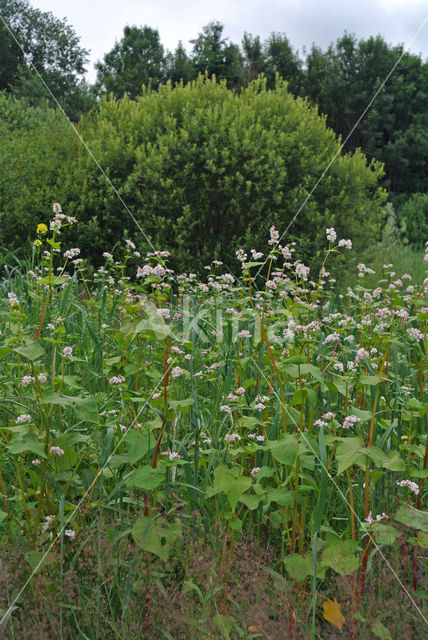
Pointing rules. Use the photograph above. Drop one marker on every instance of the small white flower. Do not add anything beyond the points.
(331, 234)
(244, 334)
(56, 451)
(411, 485)
(67, 353)
(349, 421)
(13, 300)
(231, 437)
(177, 372)
(329, 415)
(23, 418)
(70, 534)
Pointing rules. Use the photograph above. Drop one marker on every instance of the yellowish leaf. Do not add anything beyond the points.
(333, 614)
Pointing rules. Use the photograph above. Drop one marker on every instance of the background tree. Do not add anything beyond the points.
(52, 47)
(253, 57)
(179, 66)
(137, 59)
(281, 59)
(343, 80)
(214, 55)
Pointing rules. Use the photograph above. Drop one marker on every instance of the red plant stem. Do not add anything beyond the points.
(364, 568)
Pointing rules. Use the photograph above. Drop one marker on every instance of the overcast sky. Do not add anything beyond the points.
(100, 22)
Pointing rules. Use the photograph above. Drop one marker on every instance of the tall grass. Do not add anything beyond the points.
(250, 452)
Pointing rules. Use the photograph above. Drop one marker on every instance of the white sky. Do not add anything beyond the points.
(100, 22)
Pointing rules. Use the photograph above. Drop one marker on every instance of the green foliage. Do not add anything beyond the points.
(343, 80)
(179, 66)
(137, 60)
(36, 145)
(280, 59)
(205, 170)
(214, 56)
(48, 45)
(413, 219)
(119, 455)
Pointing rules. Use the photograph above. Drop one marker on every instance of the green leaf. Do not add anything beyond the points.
(31, 351)
(296, 360)
(53, 280)
(155, 535)
(376, 454)
(342, 385)
(384, 533)
(3, 516)
(87, 409)
(363, 414)
(418, 473)
(394, 462)
(412, 517)
(417, 405)
(4, 351)
(350, 451)
(181, 405)
(28, 442)
(138, 444)
(299, 567)
(285, 450)
(51, 397)
(282, 496)
(236, 524)
(250, 500)
(370, 380)
(380, 631)
(422, 539)
(70, 381)
(145, 477)
(340, 556)
(231, 485)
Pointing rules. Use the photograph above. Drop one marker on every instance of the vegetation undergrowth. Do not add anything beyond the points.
(243, 457)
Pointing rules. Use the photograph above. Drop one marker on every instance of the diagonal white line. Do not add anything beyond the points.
(346, 140)
(345, 499)
(11, 606)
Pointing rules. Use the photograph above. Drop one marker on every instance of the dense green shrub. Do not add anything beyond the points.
(202, 169)
(35, 145)
(205, 170)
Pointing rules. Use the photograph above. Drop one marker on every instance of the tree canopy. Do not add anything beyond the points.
(204, 169)
(137, 59)
(41, 41)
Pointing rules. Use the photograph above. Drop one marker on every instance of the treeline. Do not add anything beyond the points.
(341, 81)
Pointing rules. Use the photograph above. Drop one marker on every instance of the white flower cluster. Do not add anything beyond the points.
(411, 485)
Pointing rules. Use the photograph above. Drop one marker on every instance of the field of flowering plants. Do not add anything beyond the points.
(238, 457)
